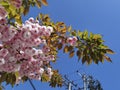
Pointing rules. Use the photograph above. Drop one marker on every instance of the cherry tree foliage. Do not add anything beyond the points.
(27, 48)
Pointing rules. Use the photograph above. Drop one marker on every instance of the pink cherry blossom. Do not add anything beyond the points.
(2, 61)
(23, 50)
(72, 40)
(3, 12)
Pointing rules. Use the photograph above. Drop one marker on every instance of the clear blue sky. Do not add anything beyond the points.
(97, 16)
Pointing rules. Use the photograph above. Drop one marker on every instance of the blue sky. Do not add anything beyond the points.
(97, 16)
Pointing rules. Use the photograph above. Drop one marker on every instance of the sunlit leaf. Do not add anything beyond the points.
(44, 77)
(79, 33)
(70, 48)
(26, 10)
(97, 36)
(109, 51)
(88, 60)
(85, 34)
(12, 10)
(63, 30)
(71, 54)
(69, 28)
(107, 58)
(91, 35)
(38, 3)
(66, 49)
(74, 33)
(4, 3)
(17, 75)
(24, 79)
(101, 58)
(44, 2)
(18, 19)
(3, 77)
(56, 80)
(46, 18)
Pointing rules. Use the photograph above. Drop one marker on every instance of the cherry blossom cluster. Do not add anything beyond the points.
(3, 13)
(72, 40)
(22, 48)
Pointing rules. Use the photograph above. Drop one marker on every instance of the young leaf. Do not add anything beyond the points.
(71, 54)
(69, 28)
(26, 10)
(78, 54)
(59, 46)
(18, 19)
(70, 48)
(16, 75)
(56, 80)
(63, 30)
(85, 34)
(83, 59)
(44, 2)
(66, 49)
(4, 3)
(107, 58)
(109, 51)
(73, 33)
(44, 77)
(38, 3)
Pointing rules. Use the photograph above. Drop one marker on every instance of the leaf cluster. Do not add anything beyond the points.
(91, 48)
(15, 14)
(56, 80)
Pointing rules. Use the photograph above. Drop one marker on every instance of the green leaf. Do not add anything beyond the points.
(78, 54)
(97, 36)
(12, 10)
(21, 10)
(26, 10)
(66, 49)
(85, 34)
(96, 61)
(18, 19)
(24, 79)
(69, 28)
(4, 3)
(59, 46)
(56, 80)
(101, 58)
(88, 60)
(74, 33)
(107, 58)
(71, 54)
(70, 48)
(45, 77)
(83, 59)
(3, 77)
(38, 3)
(79, 33)
(109, 51)
(63, 30)
(91, 35)
(17, 75)
(44, 2)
